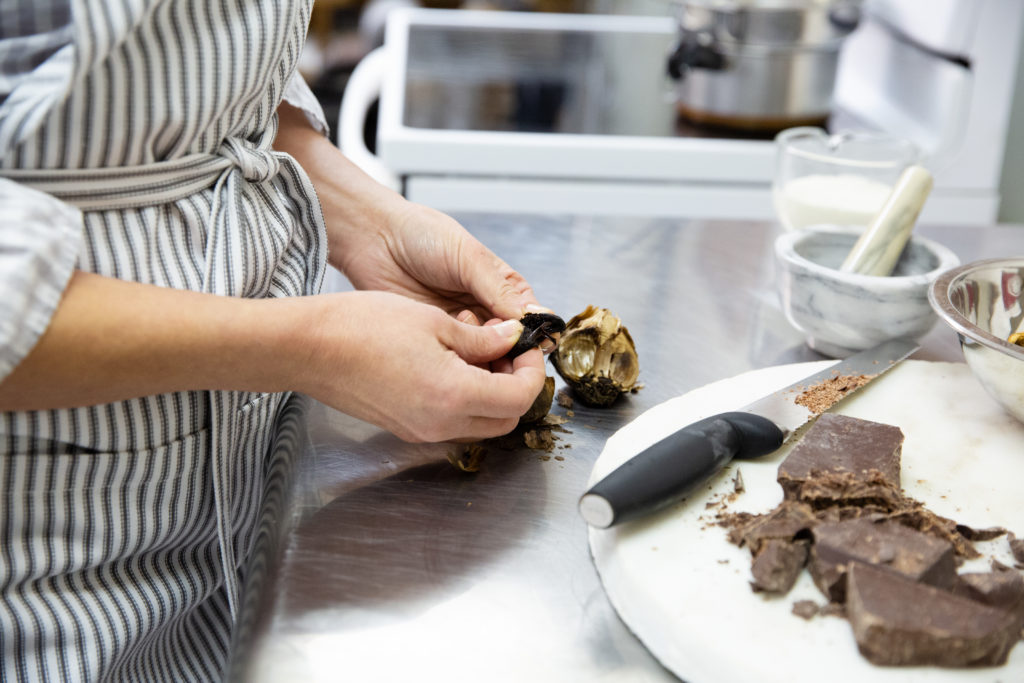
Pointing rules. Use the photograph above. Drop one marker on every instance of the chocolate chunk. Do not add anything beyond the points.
(899, 622)
(889, 546)
(777, 565)
(785, 522)
(869, 452)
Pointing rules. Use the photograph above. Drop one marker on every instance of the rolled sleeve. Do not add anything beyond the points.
(40, 239)
(298, 94)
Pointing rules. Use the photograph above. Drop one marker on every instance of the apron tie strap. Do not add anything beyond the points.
(160, 182)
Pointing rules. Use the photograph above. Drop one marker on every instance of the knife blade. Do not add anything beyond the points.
(670, 469)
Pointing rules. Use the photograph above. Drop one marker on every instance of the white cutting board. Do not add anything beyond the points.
(683, 589)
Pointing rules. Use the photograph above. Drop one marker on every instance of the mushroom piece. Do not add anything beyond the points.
(596, 357)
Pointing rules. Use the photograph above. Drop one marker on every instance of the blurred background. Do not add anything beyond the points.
(969, 35)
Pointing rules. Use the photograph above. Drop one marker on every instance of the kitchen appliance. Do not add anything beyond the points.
(538, 112)
(765, 65)
(672, 468)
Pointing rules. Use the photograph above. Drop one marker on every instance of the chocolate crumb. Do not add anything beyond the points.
(806, 609)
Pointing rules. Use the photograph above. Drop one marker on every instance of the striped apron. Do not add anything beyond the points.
(124, 528)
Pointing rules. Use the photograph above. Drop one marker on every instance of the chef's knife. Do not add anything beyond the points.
(667, 471)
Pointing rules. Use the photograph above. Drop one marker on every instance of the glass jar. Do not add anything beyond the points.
(840, 179)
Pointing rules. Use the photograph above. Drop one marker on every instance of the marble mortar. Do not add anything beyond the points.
(840, 313)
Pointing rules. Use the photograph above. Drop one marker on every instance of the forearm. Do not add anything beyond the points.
(111, 340)
(354, 204)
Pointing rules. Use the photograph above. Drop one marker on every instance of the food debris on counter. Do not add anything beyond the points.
(564, 399)
(536, 431)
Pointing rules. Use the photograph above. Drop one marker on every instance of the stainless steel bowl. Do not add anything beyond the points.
(982, 302)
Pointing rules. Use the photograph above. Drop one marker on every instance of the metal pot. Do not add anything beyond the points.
(759, 64)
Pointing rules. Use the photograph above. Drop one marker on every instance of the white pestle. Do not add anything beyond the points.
(880, 245)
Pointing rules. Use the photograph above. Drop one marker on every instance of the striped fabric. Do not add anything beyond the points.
(135, 142)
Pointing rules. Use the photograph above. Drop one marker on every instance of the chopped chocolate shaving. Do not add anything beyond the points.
(737, 482)
(806, 609)
(899, 622)
(871, 489)
(820, 397)
(916, 516)
(972, 534)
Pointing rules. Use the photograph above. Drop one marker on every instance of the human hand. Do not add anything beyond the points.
(383, 242)
(415, 371)
(428, 256)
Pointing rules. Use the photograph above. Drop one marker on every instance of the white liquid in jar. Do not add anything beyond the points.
(838, 199)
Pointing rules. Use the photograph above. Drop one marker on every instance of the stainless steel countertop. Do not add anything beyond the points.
(387, 564)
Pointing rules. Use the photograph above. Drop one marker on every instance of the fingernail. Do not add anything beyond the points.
(510, 329)
(534, 308)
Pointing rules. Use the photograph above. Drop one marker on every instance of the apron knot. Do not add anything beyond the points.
(257, 165)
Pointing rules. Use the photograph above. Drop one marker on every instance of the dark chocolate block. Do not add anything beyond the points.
(898, 622)
(886, 545)
(777, 565)
(837, 444)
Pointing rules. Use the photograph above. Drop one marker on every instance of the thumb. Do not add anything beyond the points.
(484, 343)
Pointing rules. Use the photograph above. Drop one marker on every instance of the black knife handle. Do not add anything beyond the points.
(670, 469)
